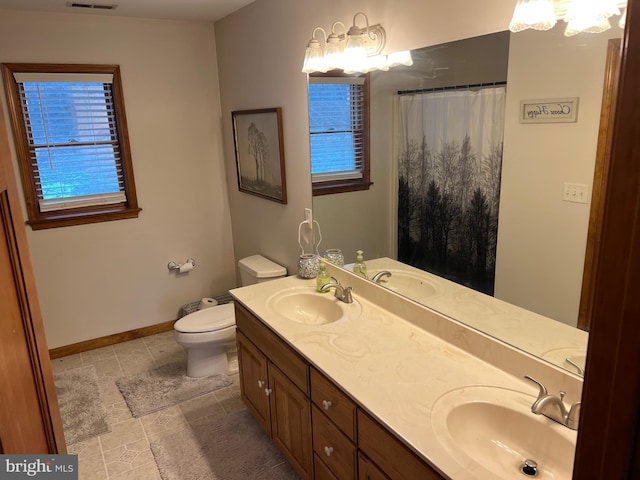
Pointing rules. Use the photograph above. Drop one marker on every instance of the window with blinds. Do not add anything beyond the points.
(338, 132)
(72, 152)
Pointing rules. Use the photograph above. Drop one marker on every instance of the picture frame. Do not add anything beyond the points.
(259, 149)
(554, 110)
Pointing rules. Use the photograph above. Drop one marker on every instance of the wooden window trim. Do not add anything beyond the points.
(83, 215)
(350, 185)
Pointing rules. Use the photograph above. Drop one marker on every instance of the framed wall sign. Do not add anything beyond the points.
(555, 110)
(260, 153)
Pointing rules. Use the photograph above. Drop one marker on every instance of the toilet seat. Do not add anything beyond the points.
(207, 320)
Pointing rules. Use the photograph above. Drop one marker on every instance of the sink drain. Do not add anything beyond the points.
(529, 468)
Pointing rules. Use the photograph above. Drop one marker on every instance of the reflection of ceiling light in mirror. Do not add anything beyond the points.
(399, 58)
(590, 16)
(358, 50)
(623, 18)
(536, 14)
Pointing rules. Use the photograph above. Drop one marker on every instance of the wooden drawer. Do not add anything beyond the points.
(321, 471)
(291, 364)
(334, 403)
(367, 470)
(389, 453)
(333, 447)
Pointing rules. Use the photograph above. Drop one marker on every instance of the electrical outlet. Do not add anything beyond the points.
(575, 192)
(308, 216)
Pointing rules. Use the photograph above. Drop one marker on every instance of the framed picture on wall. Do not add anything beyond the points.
(260, 153)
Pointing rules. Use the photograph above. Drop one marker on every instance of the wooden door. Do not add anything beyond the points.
(253, 380)
(291, 422)
(29, 415)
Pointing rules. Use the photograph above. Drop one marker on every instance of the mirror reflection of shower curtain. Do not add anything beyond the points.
(449, 153)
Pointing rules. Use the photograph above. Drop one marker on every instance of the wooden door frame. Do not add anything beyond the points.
(608, 446)
(31, 315)
(600, 175)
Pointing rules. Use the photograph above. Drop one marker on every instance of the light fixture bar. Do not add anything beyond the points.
(356, 50)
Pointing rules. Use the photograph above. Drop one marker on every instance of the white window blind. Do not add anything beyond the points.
(72, 139)
(336, 127)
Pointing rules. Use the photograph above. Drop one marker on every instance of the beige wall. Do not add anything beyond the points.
(260, 53)
(260, 50)
(100, 279)
(541, 238)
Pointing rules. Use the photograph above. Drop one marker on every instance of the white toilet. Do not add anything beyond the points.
(209, 335)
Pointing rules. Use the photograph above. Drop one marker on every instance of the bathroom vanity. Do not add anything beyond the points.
(367, 390)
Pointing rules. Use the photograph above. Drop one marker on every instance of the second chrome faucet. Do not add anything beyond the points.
(553, 407)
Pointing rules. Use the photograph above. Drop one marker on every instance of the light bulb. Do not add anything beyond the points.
(333, 52)
(536, 14)
(355, 56)
(589, 16)
(314, 60)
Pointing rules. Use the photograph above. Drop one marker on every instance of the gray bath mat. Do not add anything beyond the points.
(83, 414)
(164, 386)
(230, 448)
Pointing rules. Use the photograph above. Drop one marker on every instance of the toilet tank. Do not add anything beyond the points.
(257, 269)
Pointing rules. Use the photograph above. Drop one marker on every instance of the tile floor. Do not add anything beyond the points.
(124, 453)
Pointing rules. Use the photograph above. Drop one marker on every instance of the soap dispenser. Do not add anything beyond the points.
(360, 268)
(322, 278)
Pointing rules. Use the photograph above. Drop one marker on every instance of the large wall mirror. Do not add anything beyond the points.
(545, 184)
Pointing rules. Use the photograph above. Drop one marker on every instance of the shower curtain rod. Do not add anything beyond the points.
(456, 87)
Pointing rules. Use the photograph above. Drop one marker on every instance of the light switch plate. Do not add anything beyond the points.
(575, 192)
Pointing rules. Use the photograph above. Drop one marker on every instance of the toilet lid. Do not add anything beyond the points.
(207, 320)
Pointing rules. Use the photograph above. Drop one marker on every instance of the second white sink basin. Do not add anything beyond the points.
(417, 287)
(492, 431)
(305, 305)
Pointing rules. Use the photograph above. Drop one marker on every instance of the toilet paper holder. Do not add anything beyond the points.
(175, 266)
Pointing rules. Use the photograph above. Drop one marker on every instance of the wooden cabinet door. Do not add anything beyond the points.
(29, 416)
(291, 421)
(368, 470)
(254, 386)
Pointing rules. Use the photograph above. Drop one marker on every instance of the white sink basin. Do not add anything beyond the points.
(408, 284)
(563, 356)
(491, 431)
(305, 305)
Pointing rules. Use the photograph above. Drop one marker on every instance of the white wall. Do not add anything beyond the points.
(541, 238)
(260, 53)
(100, 279)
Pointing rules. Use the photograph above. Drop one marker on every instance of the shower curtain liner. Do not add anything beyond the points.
(449, 156)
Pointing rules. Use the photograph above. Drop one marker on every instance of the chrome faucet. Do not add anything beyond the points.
(378, 277)
(341, 293)
(553, 407)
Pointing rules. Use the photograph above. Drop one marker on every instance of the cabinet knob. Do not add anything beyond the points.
(260, 383)
(267, 391)
(328, 451)
(326, 404)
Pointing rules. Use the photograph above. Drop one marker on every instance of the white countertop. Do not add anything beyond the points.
(541, 336)
(393, 368)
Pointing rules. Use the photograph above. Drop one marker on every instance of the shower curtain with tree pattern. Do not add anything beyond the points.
(449, 152)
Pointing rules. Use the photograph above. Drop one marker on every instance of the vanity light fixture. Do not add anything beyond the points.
(591, 16)
(356, 50)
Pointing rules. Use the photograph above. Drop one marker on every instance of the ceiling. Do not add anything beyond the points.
(205, 10)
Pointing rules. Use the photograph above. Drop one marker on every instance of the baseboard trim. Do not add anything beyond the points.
(110, 339)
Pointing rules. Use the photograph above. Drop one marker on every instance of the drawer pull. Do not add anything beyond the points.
(328, 451)
(261, 383)
(267, 391)
(326, 404)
